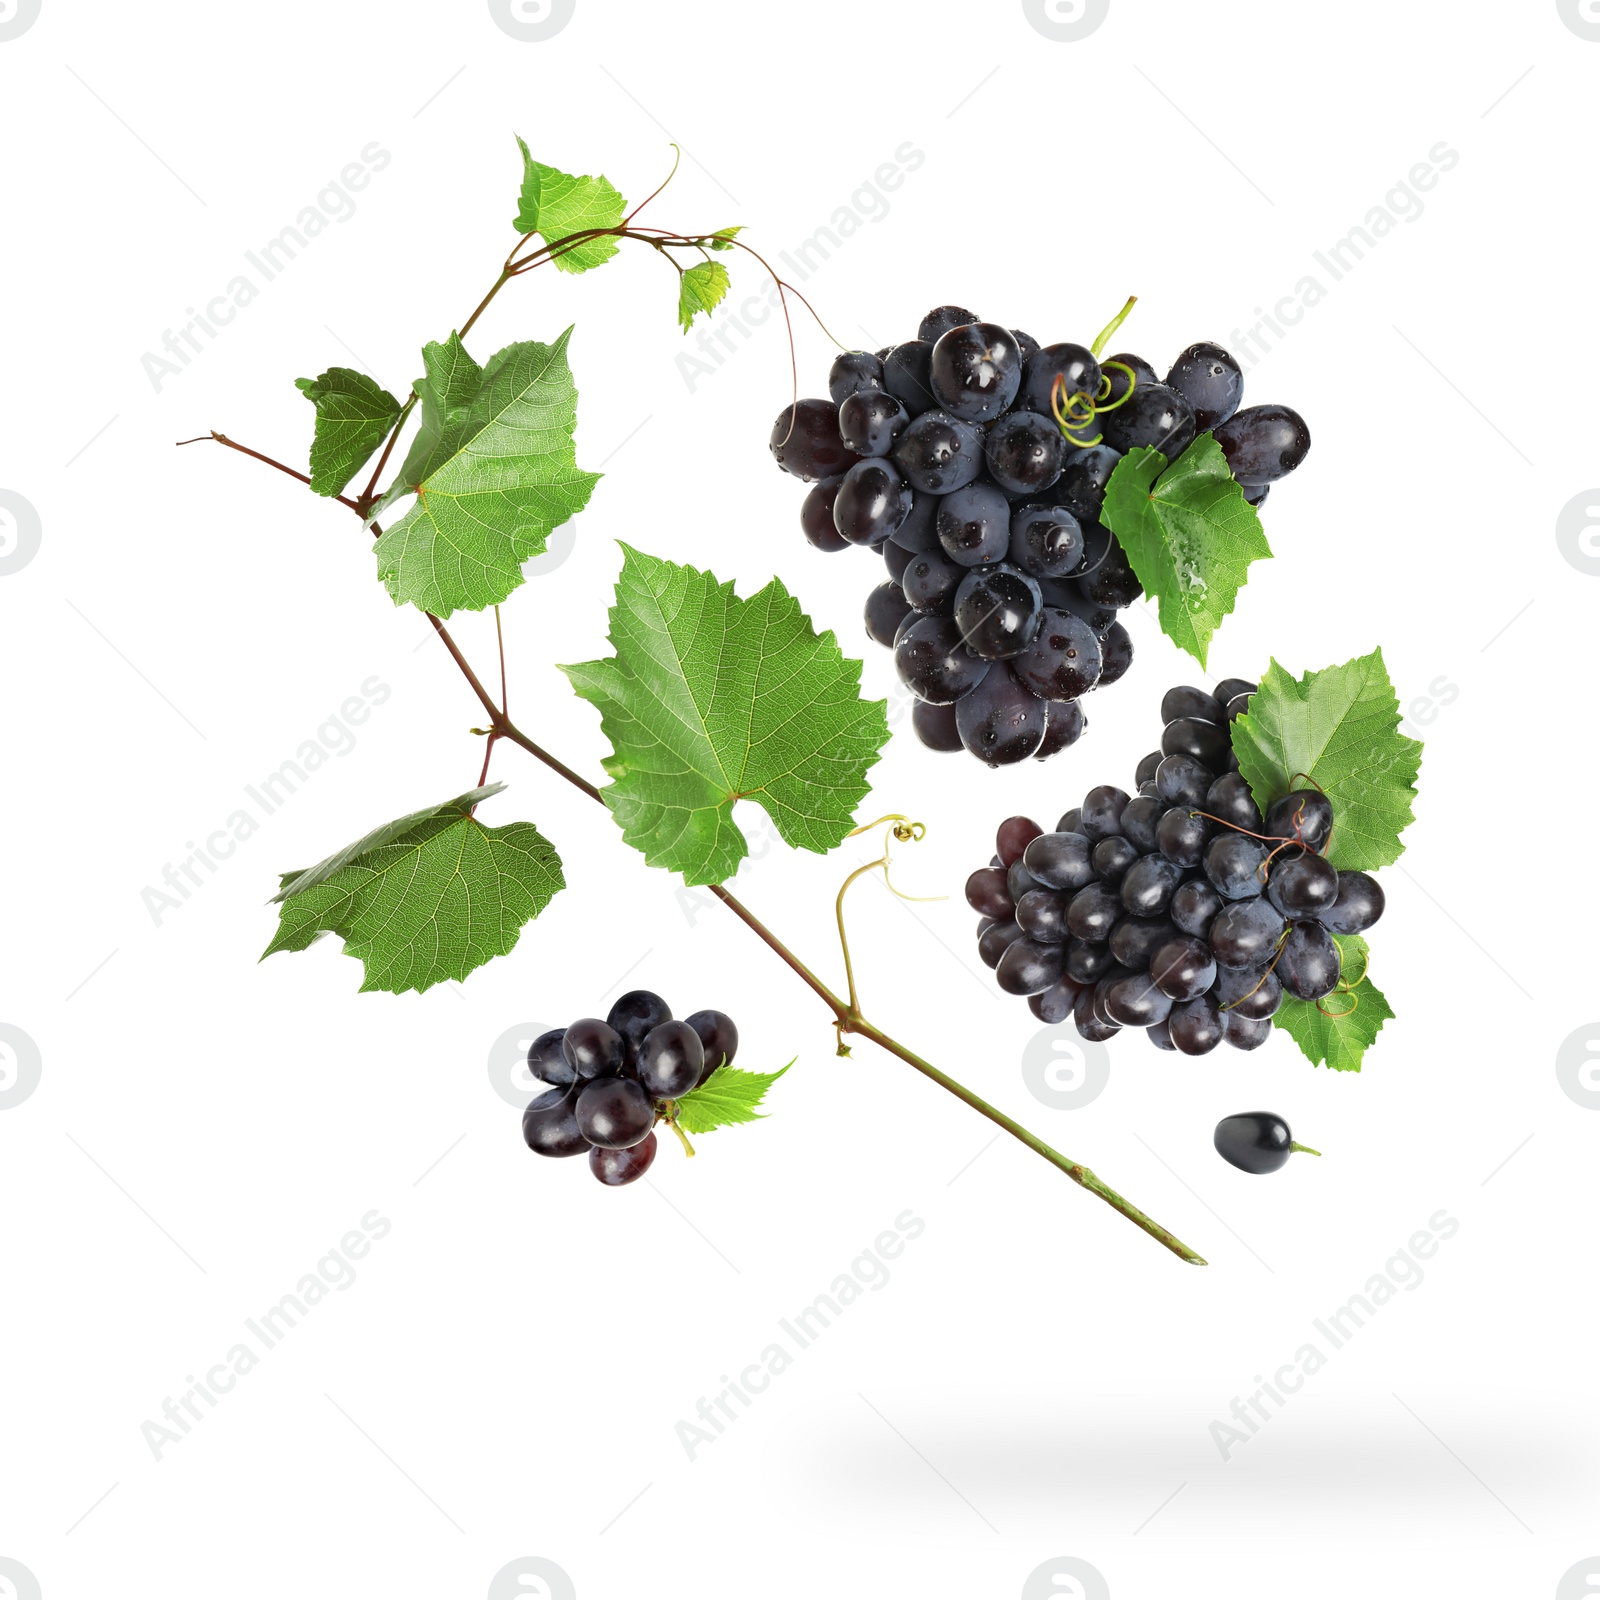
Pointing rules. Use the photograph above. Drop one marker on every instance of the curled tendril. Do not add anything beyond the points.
(1123, 398)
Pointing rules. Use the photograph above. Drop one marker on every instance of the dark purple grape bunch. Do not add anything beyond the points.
(1179, 909)
(976, 462)
(612, 1081)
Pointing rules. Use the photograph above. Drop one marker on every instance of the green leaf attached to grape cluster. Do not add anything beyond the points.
(426, 897)
(1189, 536)
(727, 1097)
(700, 289)
(494, 471)
(1337, 730)
(555, 205)
(1341, 1035)
(711, 699)
(354, 416)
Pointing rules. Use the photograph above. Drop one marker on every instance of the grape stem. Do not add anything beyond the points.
(1305, 1149)
(846, 1012)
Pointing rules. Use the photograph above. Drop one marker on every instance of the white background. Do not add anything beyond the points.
(1037, 1379)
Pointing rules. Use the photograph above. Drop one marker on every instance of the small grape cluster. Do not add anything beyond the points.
(976, 462)
(1180, 909)
(612, 1081)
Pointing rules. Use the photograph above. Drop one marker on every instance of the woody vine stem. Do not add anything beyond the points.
(847, 1014)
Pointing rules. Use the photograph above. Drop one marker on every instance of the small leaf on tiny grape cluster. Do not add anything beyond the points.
(1341, 1039)
(1189, 535)
(727, 1097)
(1339, 729)
(700, 289)
(711, 699)
(426, 897)
(555, 205)
(722, 239)
(493, 470)
(354, 416)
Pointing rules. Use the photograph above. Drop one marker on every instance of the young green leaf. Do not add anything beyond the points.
(1189, 536)
(426, 897)
(555, 205)
(727, 1097)
(711, 699)
(700, 288)
(493, 470)
(722, 239)
(354, 416)
(1341, 1039)
(1339, 729)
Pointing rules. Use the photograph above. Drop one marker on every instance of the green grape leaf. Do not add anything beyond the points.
(727, 1097)
(711, 699)
(1189, 536)
(354, 416)
(723, 238)
(1339, 728)
(555, 204)
(1338, 1041)
(493, 472)
(700, 289)
(426, 897)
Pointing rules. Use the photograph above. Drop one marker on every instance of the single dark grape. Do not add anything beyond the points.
(1229, 687)
(975, 371)
(1210, 380)
(1148, 886)
(1026, 343)
(974, 525)
(1135, 940)
(1061, 860)
(1252, 992)
(1147, 766)
(1042, 915)
(998, 610)
(905, 375)
(1046, 540)
(1308, 966)
(937, 454)
(614, 1112)
(593, 1048)
(1093, 912)
(931, 581)
(1113, 857)
(805, 441)
(1055, 1004)
(1245, 933)
(935, 664)
(1070, 821)
(935, 726)
(1244, 1033)
(1256, 1141)
(987, 893)
(872, 502)
(1064, 595)
(1140, 818)
(1195, 1026)
(1194, 906)
(1136, 1002)
(1357, 906)
(1237, 707)
(1229, 798)
(995, 940)
(1012, 838)
(1116, 654)
(1113, 582)
(546, 1060)
(1102, 811)
(1181, 835)
(896, 558)
(1233, 865)
(1183, 967)
(852, 372)
(885, 610)
(1302, 885)
(672, 1060)
(1154, 417)
(1182, 781)
(1023, 452)
(1160, 1036)
(917, 532)
(1072, 363)
(1087, 961)
(1302, 814)
(1114, 975)
(1028, 966)
(617, 1167)
(870, 421)
(1255, 494)
(1264, 443)
(1001, 720)
(1187, 701)
(549, 1126)
(719, 1039)
(1081, 488)
(1062, 660)
(942, 319)
(1090, 1026)
(1063, 725)
(816, 516)
(1019, 880)
(636, 1013)
(1205, 741)
(1142, 370)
